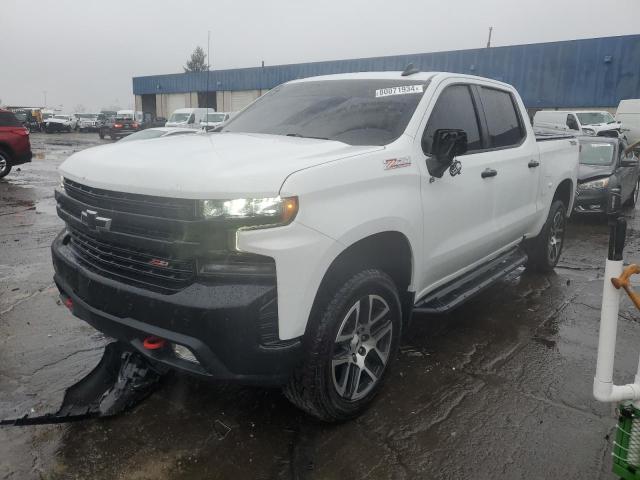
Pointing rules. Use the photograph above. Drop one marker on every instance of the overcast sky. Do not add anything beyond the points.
(85, 52)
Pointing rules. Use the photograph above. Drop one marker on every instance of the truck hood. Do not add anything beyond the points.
(215, 166)
(599, 127)
(591, 172)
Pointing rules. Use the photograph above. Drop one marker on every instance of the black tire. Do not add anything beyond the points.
(113, 137)
(544, 250)
(330, 384)
(5, 164)
(633, 198)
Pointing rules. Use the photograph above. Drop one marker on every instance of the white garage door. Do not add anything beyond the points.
(241, 99)
(174, 102)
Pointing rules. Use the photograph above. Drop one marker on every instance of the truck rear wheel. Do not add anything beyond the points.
(349, 348)
(545, 249)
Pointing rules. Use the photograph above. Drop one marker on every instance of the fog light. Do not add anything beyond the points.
(184, 353)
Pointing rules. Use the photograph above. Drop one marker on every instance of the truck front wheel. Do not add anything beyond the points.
(348, 348)
(5, 167)
(545, 249)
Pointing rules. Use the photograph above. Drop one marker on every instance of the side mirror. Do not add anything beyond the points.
(447, 144)
(629, 161)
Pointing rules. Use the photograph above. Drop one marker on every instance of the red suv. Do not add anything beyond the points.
(14, 142)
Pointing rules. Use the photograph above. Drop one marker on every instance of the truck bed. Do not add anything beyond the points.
(544, 136)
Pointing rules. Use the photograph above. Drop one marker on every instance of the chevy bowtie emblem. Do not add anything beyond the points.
(91, 219)
(156, 262)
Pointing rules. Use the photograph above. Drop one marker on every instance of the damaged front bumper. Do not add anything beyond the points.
(121, 380)
(225, 329)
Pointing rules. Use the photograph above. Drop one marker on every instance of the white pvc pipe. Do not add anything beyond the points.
(603, 388)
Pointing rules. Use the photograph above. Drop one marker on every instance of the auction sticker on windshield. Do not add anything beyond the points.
(404, 90)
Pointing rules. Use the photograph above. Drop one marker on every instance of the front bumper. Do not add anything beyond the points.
(222, 324)
(591, 201)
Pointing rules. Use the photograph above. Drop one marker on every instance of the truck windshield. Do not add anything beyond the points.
(596, 154)
(593, 118)
(356, 112)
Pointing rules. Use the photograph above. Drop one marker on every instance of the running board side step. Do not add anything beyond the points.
(456, 292)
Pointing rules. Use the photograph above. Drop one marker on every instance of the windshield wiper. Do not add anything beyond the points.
(305, 136)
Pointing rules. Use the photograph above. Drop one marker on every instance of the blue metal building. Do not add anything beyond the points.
(596, 72)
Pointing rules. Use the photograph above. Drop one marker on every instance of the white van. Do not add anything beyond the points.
(628, 114)
(594, 122)
(188, 117)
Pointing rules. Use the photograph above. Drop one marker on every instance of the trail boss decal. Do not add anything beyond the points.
(404, 90)
(392, 163)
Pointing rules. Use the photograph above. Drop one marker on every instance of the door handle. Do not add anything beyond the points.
(533, 163)
(488, 172)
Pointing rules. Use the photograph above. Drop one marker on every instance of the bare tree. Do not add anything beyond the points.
(197, 62)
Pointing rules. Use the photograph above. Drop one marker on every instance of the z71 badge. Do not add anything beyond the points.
(392, 163)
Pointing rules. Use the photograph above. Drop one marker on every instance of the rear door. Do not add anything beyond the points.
(458, 210)
(514, 156)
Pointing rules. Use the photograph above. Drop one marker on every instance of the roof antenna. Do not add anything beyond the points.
(410, 70)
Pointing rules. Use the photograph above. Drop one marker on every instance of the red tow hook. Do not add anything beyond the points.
(68, 302)
(154, 343)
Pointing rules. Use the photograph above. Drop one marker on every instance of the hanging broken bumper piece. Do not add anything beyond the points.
(121, 380)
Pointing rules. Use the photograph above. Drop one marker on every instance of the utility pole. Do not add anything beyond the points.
(489, 39)
(208, 68)
(45, 98)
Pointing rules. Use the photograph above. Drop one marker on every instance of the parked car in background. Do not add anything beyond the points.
(188, 117)
(628, 114)
(134, 115)
(597, 122)
(151, 122)
(15, 148)
(158, 132)
(214, 120)
(605, 163)
(119, 127)
(89, 122)
(59, 123)
(390, 191)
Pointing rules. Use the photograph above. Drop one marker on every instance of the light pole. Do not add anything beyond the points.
(45, 98)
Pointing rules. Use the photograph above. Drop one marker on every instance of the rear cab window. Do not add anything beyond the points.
(505, 127)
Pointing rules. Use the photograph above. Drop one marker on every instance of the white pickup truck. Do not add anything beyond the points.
(291, 247)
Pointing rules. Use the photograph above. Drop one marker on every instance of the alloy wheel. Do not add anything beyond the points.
(362, 347)
(556, 237)
(3, 164)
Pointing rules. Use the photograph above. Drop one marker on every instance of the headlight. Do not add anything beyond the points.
(61, 186)
(588, 131)
(271, 211)
(595, 184)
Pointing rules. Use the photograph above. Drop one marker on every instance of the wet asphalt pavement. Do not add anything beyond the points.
(501, 388)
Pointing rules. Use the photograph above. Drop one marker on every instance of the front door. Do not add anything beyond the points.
(458, 210)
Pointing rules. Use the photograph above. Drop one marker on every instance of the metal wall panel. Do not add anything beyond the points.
(576, 73)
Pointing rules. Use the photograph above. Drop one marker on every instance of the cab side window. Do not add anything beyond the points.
(572, 123)
(454, 109)
(504, 125)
